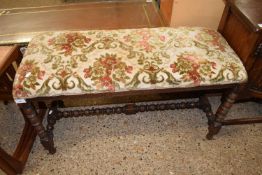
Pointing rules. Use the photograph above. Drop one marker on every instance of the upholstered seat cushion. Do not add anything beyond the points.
(96, 61)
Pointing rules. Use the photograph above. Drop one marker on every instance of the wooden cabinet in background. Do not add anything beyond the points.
(240, 25)
(166, 10)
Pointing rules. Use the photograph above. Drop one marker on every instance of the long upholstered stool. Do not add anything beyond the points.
(112, 63)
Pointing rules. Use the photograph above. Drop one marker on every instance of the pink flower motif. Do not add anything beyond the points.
(146, 46)
(174, 69)
(109, 61)
(72, 41)
(127, 38)
(146, 37)
(88, 72)
(152, 69)
(25, 68)
(40, 75)
(162, 38)
(87, 40)
(213, 64)
(19, 92)
(63, 73)
(51, 41)
(129, 69)
(21, 77)
(191, 58)
(194, 75)
(195, 66)
(107, 82)
(68, 49)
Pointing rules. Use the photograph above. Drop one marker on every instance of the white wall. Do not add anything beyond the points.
(204, 13)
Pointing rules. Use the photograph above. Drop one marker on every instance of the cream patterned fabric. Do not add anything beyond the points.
(96, 61)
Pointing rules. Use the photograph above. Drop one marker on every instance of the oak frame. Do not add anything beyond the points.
(215, 121)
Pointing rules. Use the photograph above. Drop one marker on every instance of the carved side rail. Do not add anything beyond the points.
(126, 109)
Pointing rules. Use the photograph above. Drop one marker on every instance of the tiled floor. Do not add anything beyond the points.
(170, 142)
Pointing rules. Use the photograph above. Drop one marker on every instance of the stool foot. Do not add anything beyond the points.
(48, 144)
(213, 129)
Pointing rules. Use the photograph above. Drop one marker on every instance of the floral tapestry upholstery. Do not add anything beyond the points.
(97, 61)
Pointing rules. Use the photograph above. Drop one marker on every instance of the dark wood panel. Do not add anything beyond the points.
(255, 77)
(240, 26)
(240, 38)
(249, 11)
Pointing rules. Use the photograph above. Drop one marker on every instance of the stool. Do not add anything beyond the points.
(115, 63)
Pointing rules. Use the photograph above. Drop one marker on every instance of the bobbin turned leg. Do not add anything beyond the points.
(215, 125)
(51, 120)
(205, 105)
(29, 112)
(52, 117)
